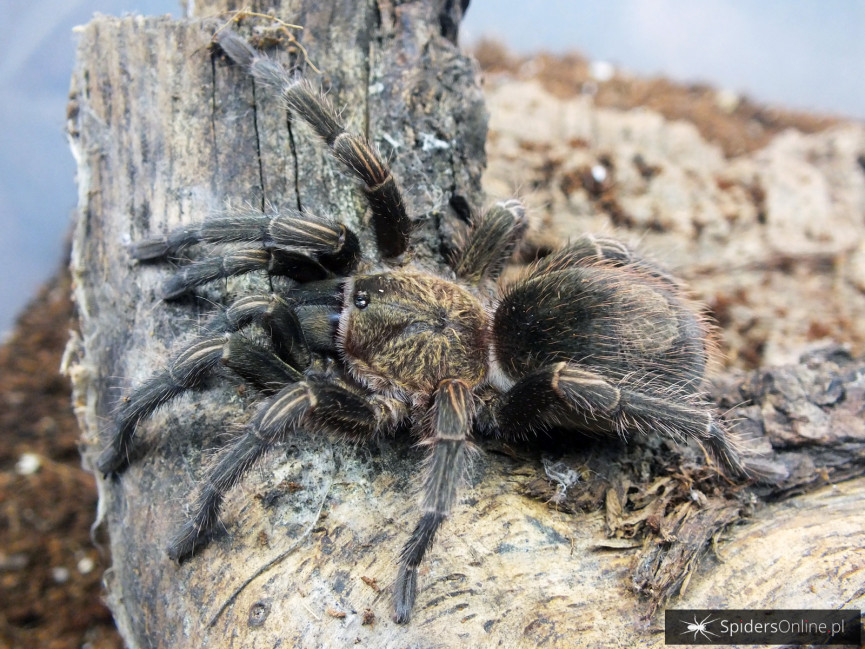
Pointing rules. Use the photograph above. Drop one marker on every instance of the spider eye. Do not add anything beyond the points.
(361, 299)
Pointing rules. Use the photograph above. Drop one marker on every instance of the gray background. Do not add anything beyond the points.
(807, 54)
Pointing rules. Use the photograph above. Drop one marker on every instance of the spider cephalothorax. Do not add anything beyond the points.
(405, 332)
(591, 337)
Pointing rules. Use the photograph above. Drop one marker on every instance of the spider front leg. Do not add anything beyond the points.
(292, 244)
(452, 416)
(315, 405)
(390, 221)
(570, 396)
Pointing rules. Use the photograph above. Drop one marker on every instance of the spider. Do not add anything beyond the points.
(589, 338)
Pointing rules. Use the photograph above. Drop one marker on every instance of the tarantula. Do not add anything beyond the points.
(591, 337)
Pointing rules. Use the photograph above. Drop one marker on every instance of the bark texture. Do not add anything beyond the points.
(165, 135)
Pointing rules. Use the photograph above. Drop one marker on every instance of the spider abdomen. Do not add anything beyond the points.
(604, 317)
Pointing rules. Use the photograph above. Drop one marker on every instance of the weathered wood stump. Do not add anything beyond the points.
(166, 134)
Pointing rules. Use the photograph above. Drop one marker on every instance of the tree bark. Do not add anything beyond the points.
(165, 134)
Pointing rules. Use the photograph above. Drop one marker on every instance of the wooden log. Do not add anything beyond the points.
(165, 134)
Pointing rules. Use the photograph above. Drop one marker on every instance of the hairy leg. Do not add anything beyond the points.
(568, 395)
(491, 241)
(390, 221)
(220, 344)
(452, 418)
(308, 404)
(293, 244)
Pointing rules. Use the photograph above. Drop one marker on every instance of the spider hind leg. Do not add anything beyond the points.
(567, 395)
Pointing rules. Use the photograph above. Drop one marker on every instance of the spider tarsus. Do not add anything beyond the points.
(161, 247)
(726, 449)
(150, 249)
(114, 458)
(405, 588)
(405, 594)
(185, 544)
(258, 65)
(235, 47)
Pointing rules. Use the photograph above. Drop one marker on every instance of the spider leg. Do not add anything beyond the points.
(186, 371)
(390, 222)
(590, 249)
(276, 316)
(219, 344)
(452, 418)
(316, 405)
(324, 240)
(297, 266)
(491, 242)
(567, 395)
(292, 244)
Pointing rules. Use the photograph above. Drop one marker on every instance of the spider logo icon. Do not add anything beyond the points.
(700, 627)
